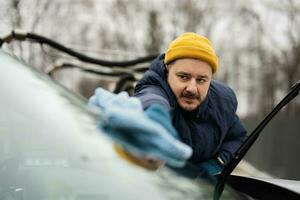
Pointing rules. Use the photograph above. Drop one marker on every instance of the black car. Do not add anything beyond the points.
(50, 148)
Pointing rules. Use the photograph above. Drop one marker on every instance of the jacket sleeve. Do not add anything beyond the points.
(152, 94)
(233, 139)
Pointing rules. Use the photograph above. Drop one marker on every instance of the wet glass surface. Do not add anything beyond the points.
(50, 149)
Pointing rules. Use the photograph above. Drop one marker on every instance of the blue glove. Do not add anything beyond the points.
(103, 100)
(141, 133)
(160, 115)
(211, 167)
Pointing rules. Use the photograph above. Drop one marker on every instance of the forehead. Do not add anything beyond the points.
(191, 66)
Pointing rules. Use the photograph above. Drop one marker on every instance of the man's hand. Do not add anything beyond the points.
(211, 166)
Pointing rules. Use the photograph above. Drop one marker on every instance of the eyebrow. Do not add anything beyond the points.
(183, 73)
(203, 76)
(188, 74)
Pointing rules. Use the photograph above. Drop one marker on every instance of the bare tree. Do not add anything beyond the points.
(288, 59)
(14, 13)
(153, 44)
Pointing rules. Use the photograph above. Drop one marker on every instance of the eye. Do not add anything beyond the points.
(183, 77)
(201, 80)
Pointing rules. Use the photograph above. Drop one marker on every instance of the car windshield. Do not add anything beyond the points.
(50, 148)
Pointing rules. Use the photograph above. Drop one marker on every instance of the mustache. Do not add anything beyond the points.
(190, 95)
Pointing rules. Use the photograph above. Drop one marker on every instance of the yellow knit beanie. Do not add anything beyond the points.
(192, 45)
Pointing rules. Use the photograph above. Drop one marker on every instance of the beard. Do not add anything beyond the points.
(189, 101)
(189, 95)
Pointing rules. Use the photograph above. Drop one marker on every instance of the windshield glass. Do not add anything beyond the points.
(50, 148)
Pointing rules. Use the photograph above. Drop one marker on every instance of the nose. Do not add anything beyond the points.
(192, 86)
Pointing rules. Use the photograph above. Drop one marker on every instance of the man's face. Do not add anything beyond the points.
(189, 80)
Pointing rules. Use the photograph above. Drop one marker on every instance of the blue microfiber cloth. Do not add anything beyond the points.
(143, 133)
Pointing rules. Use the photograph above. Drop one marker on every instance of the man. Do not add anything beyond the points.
(203, 111)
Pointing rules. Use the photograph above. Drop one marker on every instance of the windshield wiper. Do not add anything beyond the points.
(243, 149)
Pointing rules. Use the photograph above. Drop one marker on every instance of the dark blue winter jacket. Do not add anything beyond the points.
(212, 130)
